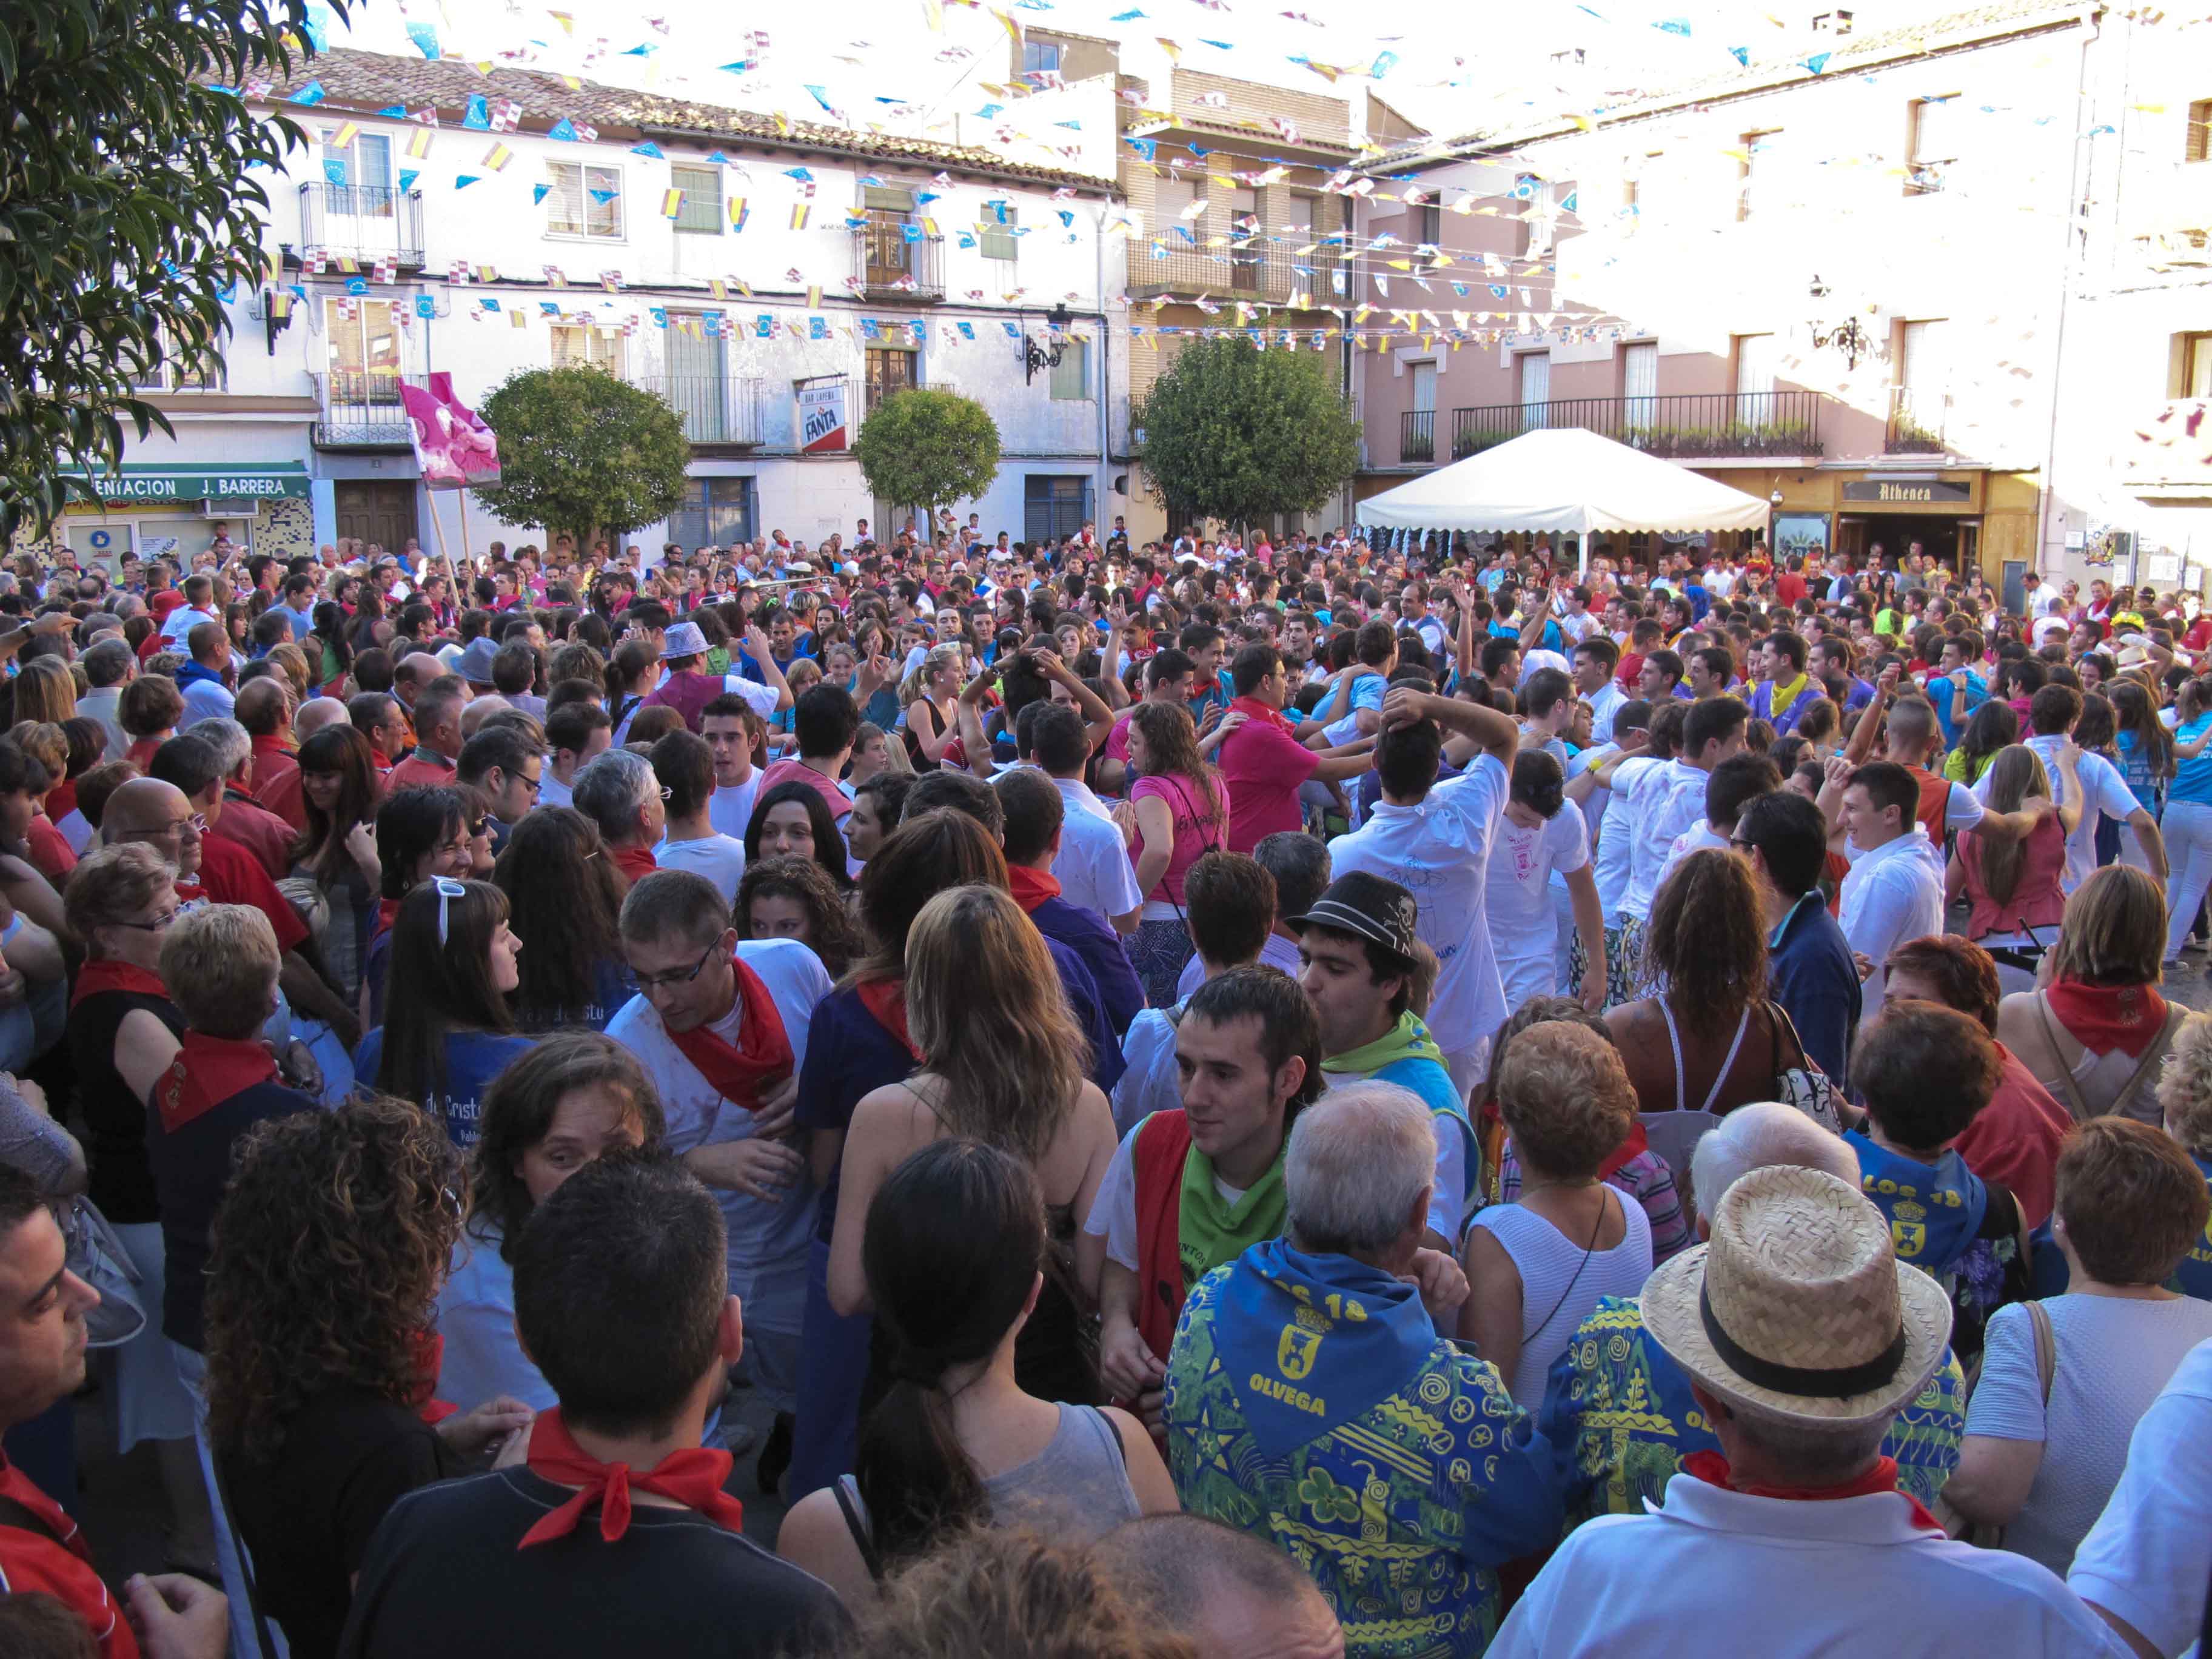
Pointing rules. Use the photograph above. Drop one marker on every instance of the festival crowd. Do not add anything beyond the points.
(1297, 1096)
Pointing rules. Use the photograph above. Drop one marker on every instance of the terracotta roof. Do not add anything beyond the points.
(359, 80)
(1853, 52)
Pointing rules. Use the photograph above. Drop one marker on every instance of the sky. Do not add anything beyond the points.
(1451, 67)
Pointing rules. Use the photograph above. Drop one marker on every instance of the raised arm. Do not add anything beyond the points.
(1496, 734)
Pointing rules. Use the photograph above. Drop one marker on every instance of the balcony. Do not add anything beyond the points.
(367, 222)
(359, 409)
(889, 266)
(1915, 428)
(1683, 426)
(716, 409)
(1236, 273)
(1417, 436)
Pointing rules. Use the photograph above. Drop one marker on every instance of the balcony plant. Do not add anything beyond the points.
(582, 452)
(1235, 432)
(928, 448)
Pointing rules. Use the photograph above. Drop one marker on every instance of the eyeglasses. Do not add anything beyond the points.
(160, 924)
(667, 793)
(448, 891)
(657, 982)
(197, 823)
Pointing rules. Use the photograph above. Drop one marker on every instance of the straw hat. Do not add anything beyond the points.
(1798, 1308)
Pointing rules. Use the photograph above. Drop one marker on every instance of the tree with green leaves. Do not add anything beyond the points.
(582, 452)
(1234, 432)
(925, 448)
(128, 211)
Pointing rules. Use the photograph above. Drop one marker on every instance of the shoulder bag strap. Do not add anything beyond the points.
(2082, 1113)
(2047, 1347)
(861, 1539)
(2175, 1013)
(23, 1518)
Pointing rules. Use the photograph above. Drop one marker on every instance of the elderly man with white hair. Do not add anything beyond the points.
(1311, 1402)
(1802, 1336)
(619, 793)
(1617, 1411)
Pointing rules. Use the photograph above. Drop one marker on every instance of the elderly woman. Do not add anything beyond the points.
(2094, 1034)
(2040, 1458)
(1538, 1266)
(2184, 1096)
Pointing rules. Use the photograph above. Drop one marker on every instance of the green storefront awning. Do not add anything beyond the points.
(152, 485)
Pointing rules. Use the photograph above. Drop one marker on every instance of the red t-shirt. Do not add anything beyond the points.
(277, 781)
(1789, 587)
(2013, 1140)
(49, 849)
(1262, 766)
(2200, 632)
(58, 1564)
(417, 773)
(229, 874)
(790, 771)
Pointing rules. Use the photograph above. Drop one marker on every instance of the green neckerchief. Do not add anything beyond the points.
(1213, 1230)
(1408, 1040)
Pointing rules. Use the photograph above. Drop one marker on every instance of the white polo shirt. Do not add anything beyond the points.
(1093, 866)
(1891, 894)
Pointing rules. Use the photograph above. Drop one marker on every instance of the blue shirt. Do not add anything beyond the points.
(850, 1053)
(1810, 972)
(1951, 714)
(473, 1059)
(1120, 993)
(2192, 779)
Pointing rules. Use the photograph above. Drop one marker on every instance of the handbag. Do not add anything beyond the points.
(96, 1255)
(1804, 1085)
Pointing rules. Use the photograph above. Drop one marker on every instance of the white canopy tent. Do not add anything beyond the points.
(1568, 482)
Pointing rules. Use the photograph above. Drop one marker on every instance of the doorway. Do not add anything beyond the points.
(1947, 541)
(378, 510)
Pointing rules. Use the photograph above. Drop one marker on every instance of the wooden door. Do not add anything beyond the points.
(378, 510)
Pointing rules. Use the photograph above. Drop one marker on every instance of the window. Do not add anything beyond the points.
(716, 512)
(1931, 142)
(574, 344)
(1639, 383)
(1754, 378)
(172, 373)
(701, 212)
(359, 175)
(1000, 220)
(1536, 371)
(1054, 505)
(1071, 375)
(2197, 145)
(1041, 56)
(890, 370)
(1182, 207)
(364, 352)
(1247, 243)
(2195, 365)
(1428, 224)
(1747, 172)
(583, 201)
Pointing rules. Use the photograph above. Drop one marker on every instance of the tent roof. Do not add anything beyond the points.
(1568, 482)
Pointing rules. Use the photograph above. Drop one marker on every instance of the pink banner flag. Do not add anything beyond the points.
(453, 445)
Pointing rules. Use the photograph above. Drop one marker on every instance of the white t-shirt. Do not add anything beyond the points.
(1518, 881)
(1891, 895)
(732, 808)
(1668, 802)
(764, 1234)
(719, 858)
(1093, 866)
(1616, 841)
(760, 698)
(2104, 790)
(1439, 850)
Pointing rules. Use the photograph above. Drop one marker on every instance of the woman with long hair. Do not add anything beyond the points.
(953, 1249)
(330, 658)
(793, 821)
(1178, 811)
(446, 1032)
(322, 1346)
(928, 694)
(565, 904)
(1003, 1062)
(2096, 1029)
(1707, 1038)
(420, 834)
(338, 850)
(572, 1098)
(871, 639)
(2013, 885)
(45, 690)
(1991, 729)
(792, 898)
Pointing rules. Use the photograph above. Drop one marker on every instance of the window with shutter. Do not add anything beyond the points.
(1071, 375)
(999, 240)
(583, 201)
(701, 212)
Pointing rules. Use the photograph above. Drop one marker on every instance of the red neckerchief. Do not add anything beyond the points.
(1032, 887)
(1263, 715)
(430, 1348)
(20, 1488)
(762, 1058)
(110, 975)
(692, 1477)
(1637, 1142)
(388, 917)
(2103, 1017)
(635, 863)
(886, 998)
(207, 1072)
(61, 801)
(1712, 1468)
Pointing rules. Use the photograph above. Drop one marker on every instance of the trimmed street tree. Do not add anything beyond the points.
(582, 452)
(924, 448)
(1233, 432)
(127, 210)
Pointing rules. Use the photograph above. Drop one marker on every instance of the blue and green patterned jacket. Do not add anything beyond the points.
(1311, 1402)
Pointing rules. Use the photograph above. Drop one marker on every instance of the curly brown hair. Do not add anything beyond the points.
(325, 1265)
(832, 933)
(1705, 945)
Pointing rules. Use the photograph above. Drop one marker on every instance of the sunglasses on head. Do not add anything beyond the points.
(448, 891)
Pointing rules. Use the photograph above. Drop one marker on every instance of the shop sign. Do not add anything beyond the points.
(162, 484)
(1909, 492)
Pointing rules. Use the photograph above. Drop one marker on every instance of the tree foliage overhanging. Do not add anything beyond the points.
(128, 207)
(925, 448)
(1234, 432)
(582, 452)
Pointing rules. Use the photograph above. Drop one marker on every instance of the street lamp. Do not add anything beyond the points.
(1035, 357)
(1847, 337)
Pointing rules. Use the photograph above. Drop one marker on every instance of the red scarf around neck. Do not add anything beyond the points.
(692, 1477)
(886, 998)
(109, 974)
(1712, 1468)
(207, 1072)
(1263, 715)
(635, 863)
(2103, 1017)
(61, 801)
(388, 917)
(762, 1057)
(1032, 887)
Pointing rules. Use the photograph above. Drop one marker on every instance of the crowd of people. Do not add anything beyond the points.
(1252, 1097)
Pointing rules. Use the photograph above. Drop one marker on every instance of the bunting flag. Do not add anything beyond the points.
(343, 138)
(611, 281)
(418, 142)
(496, 158)
(649, 149)
(556, 277)
(462, 181)
(672, 204)
(310, 94)
(813, 296)
(539, 193)
(563, 129)
(518, 319)
(458, 273)
(738, 213)
(425, 38)
(798, 212)
(478, 116)
(407, 178)
(506, 115)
